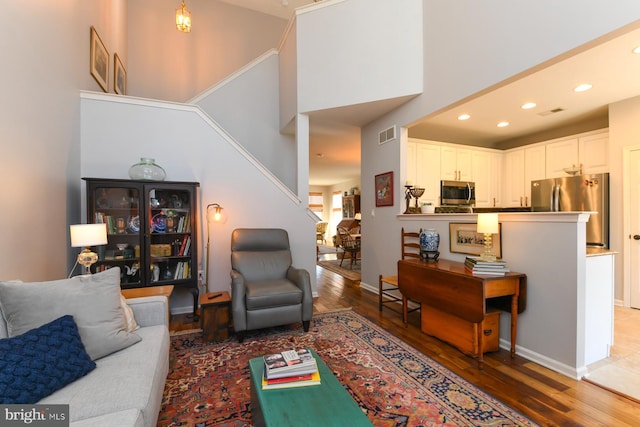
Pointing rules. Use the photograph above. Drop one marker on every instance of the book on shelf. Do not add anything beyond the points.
(289, 363)
(291, 382)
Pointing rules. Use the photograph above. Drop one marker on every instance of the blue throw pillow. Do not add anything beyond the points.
(45, 359)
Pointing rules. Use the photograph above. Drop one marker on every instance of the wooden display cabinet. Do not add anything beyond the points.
(151, 231)
(350, 206)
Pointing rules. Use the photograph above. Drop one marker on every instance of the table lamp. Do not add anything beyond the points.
(488, 225)
(87, 235)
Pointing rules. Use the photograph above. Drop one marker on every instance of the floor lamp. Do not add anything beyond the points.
(215, 215)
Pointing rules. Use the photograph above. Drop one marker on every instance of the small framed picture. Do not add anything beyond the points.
(119, 76)
(464, 239)
(384, 189)
(99, 61)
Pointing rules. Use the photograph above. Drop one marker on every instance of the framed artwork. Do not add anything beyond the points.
(99, 63)
(119, 76)
(464, 239)
(384, 189)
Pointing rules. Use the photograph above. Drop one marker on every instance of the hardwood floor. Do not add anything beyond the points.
(546, 397)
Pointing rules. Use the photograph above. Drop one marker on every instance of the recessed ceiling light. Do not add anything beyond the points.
(464, 117)
(503, 124)
(636, 50)
(528, 105)
(583, 87)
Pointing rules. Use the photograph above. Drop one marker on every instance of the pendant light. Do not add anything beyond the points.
(183, 19)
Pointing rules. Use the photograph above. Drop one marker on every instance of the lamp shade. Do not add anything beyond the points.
(83, 235)
(487, 223)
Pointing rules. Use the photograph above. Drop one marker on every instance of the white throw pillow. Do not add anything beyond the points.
(92, 300)
(129, 319)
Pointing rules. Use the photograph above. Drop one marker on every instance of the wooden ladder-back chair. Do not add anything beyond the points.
(388, 285)
(349, 244)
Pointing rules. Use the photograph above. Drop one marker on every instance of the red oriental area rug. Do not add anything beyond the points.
(394, 384)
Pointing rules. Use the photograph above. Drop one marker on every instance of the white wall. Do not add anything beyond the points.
(189, 149)
(167, 64)
(249, 96)
(624, 131)
(45, 46)
(358, 41)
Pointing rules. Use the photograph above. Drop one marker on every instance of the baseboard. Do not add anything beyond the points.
(547, 362)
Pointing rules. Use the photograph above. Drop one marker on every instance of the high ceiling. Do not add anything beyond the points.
(280, 8)
(608, 64)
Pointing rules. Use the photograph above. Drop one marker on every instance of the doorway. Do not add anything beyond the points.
(633, 179)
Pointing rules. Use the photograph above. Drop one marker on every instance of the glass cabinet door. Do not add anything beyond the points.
(171, 242)
(119, 209)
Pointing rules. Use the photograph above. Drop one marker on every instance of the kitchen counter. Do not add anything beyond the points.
(468, 209)
(600, 251)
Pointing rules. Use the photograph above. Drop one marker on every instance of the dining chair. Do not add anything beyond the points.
(388, 291)
(349, 244)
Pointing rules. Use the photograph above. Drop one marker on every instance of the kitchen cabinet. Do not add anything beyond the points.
(151, 231)
(521, 166)
(588, 153)
(481, 175)
(423, 169)
(598, 312)
(486, 172)
(593, 153)
(560, 155)
(455, 163)
(495, 179)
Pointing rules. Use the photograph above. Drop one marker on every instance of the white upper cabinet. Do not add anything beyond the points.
(534, 168)
(521, 166)
(486, 168)
(585, 153)
(593, 151)
(513, 183)
(560, 155)
(423, 168)
(455, 163)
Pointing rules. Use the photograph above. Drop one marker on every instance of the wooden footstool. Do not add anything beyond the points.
(215, 315)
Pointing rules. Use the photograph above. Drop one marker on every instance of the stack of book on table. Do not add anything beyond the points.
(480, 267)
(292, 368)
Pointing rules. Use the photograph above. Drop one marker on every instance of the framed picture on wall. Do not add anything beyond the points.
(464, 239)
(384, 189)
(99, 61)
(119, 76)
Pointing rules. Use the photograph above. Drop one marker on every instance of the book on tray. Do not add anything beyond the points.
(289, 363)
(290, 382)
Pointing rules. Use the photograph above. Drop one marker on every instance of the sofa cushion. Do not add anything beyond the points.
(132, 378)
(129, 318)
(92, 300)
(45, 359)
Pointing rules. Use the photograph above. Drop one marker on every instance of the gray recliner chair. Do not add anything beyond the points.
(266, 290)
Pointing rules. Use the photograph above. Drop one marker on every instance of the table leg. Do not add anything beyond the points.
(514, 321)
(480, 338)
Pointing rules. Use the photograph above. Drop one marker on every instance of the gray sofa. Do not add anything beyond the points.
(126, 386)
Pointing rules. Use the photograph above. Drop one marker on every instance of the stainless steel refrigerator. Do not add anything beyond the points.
(577, 193)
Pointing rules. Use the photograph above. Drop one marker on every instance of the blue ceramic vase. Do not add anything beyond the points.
(429, 240)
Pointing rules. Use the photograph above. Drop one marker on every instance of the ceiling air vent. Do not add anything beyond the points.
(387, 135)
(553, 111)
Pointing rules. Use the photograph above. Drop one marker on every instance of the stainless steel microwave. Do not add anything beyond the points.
(457, 193)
